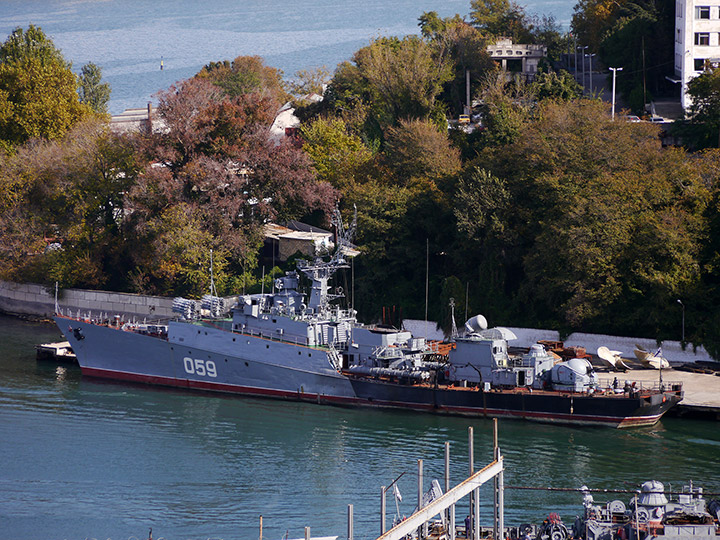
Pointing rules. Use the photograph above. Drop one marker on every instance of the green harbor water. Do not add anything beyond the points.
(83, 458)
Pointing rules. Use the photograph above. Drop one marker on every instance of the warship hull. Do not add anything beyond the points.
(209, 357)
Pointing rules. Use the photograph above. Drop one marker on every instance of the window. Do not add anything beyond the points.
(702, 38)
(702, 12)
(699, 64)
(678, 37)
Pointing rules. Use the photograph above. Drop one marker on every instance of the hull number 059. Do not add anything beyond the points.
(203, 368)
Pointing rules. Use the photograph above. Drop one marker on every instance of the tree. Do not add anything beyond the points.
(496, 18)
(92, 91)
(310, 81)
(397, 78)
(217, 161)
(606, 225)
(704, 91)
(246, 75)
(339, 157)
(38, 90)
(417, 149)
(552, 85)
(65, 217)
(466, 47)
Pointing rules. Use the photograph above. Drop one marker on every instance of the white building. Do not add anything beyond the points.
(517, 57)
(697, 40)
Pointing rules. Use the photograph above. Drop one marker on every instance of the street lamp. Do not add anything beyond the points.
(590, 59)
(614, 70)
(683, 319)
(583, 64)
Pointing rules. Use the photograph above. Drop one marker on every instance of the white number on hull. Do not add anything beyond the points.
(200, 367)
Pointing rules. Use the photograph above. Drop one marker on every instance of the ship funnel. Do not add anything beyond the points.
(476, 324)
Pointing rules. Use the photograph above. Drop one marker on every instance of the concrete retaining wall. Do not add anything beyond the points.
(36, 300)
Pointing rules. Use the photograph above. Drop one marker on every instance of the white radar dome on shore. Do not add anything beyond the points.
(476, 324)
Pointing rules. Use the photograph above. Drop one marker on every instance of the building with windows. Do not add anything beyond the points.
(697, 40)
(517, 58)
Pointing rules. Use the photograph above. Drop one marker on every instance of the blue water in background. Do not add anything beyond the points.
(128, 38)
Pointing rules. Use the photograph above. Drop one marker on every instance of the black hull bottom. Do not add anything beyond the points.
(551, 407)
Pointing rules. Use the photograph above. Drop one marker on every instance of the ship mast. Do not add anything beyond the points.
(319, 271)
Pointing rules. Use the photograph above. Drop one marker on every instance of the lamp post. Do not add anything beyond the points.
(583, 65)
(683, 319)
(591, 72)
(575, 64)
(614, 70)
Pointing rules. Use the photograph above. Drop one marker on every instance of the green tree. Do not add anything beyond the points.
(704, 91)
(417, 149)
(496, 18)
(93, 91)
(606, 226)
(246, 75)
(552, 85)
(68, 208)
(466, 48)
(339, 157)
(38, 90)
(392, 79)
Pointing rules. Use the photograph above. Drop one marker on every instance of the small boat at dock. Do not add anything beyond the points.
(59, 352)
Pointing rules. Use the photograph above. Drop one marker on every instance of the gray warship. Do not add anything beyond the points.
(289, 345)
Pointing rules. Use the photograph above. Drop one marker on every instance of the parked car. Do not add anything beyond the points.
(464, 119)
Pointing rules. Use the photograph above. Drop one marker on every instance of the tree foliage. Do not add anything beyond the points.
(246, 75)
(553, 85)
(496, 18)
(605, 219)
(339, 156)
(65, 218)
(94, 92)
(704, 91)
(417, 149)
(38, 90)
(635, 35)
(396, 78)
(216, 161)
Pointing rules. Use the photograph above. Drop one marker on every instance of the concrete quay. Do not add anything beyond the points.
(702, 391)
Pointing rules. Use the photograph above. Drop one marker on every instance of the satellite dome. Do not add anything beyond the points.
(476, 324)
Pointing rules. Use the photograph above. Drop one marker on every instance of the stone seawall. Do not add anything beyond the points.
(36, 300)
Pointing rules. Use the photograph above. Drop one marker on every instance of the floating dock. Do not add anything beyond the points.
(57, 352)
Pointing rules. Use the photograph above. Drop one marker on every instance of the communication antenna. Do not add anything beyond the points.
(213, 291)
(453, 331)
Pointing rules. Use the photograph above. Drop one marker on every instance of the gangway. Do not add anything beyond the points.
(445, 502)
